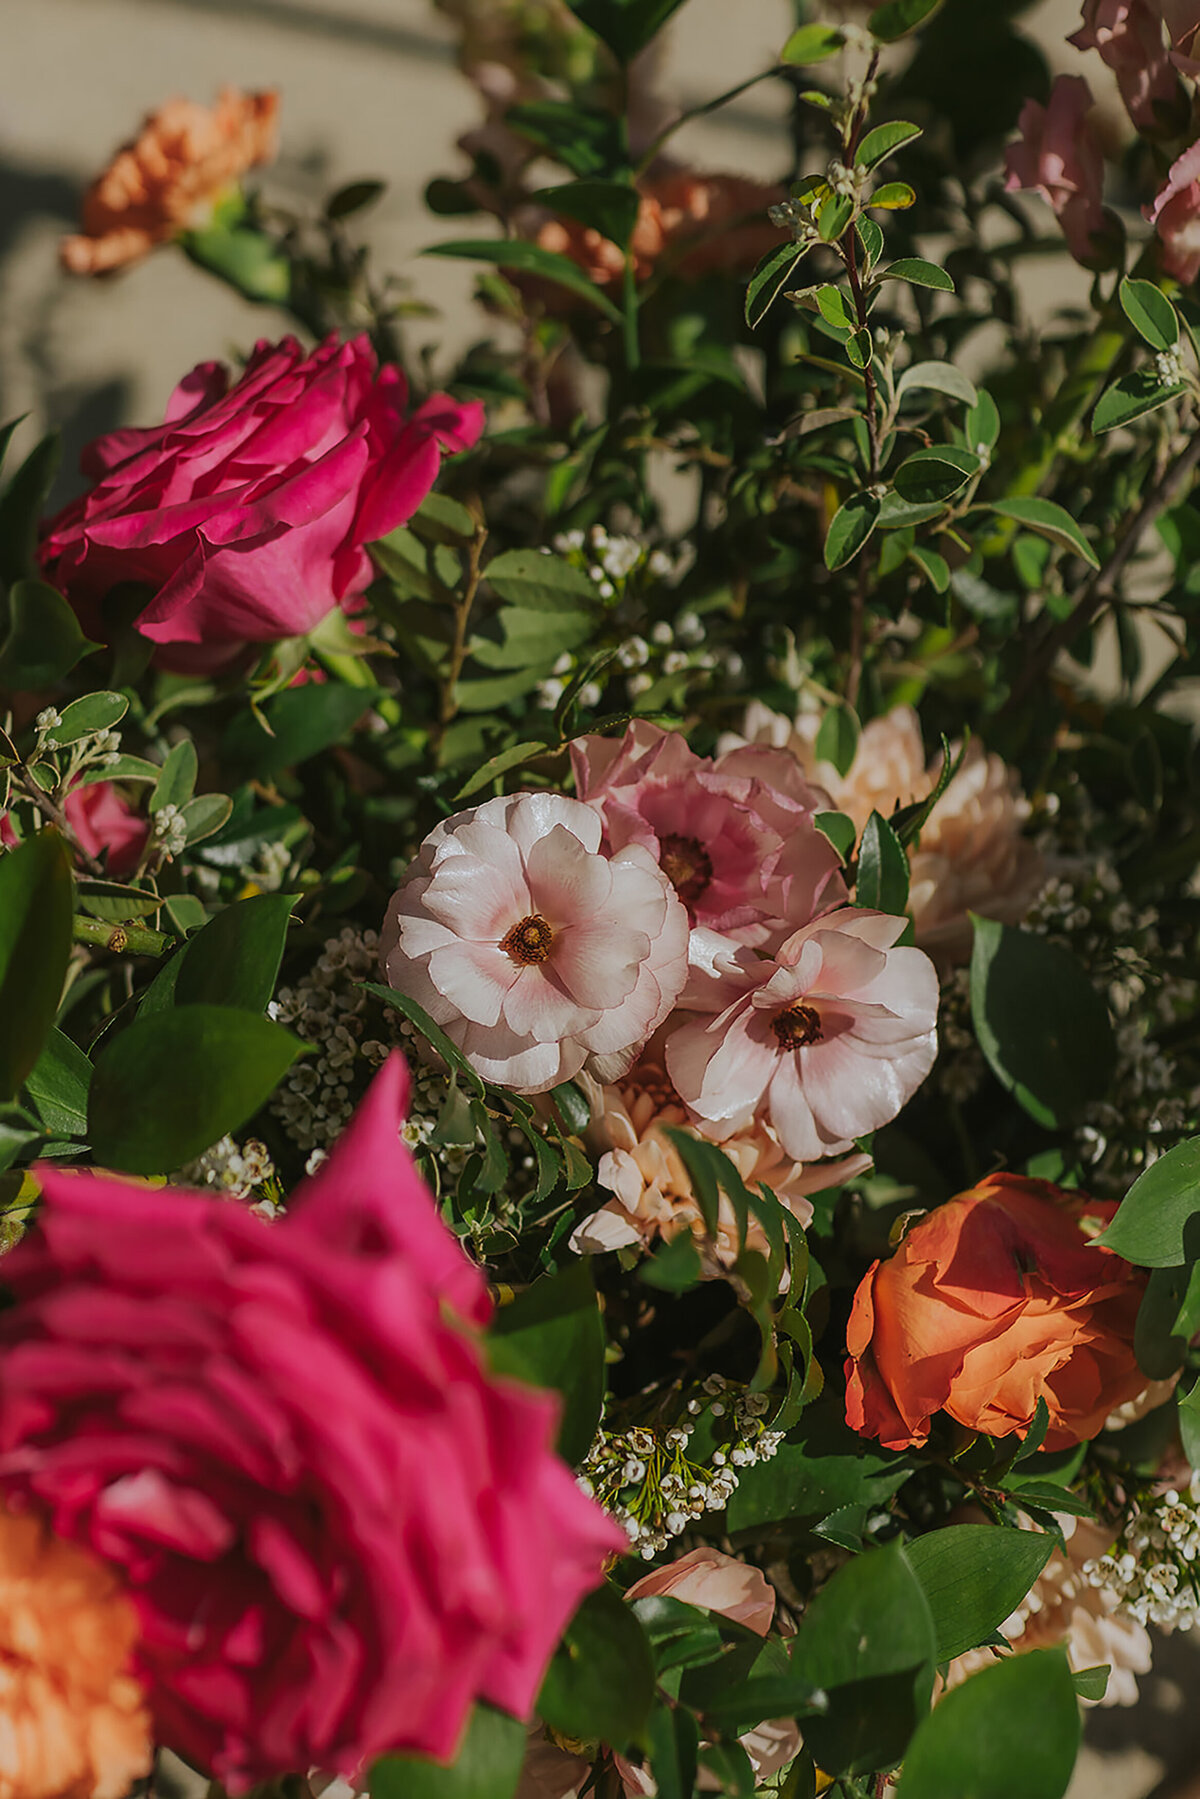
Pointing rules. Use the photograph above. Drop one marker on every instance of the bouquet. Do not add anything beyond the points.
(599, 1008)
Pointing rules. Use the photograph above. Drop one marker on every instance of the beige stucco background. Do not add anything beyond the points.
(369, 89)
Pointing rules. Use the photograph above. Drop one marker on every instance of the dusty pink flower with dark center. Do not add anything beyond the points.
(537, 954)
(827, 1040)
(337, 1527)
(1059, 156)
(735, 837)
(1129, 37)
(1175, 215)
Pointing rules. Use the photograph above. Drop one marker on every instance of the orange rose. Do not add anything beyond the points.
(170, 177)
(994, 1301)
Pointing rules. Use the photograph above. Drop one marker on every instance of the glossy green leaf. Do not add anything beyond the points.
(1040, 1023)
(822, 1467)
(937, 377)
(973, 1576)
(769, 280)
(898, 17)
(234, 960)
(205, 815)
(811, 43)
(918, 273)
(170, 1085)
(249, 260)
(935, 568)
(600, 1683)
(882, 883)
(177, 782)
(851, 526)
(1132, 397)
(586, 140)
(552, 1335)
(530, 259)
(609, 207)
(304, 721)
(626, 26)
(1012, 1728)
(1092, 1683)
(837, 308)
(834, 213)
(840, 830)
(432, 1033)
(354, 197)
(94, 712)
(21, 507)
(929, 477)
(1150, 313)
(1050, 520)
(487, 1766)
(58, 1086)
(893, 196)
(515, 756)
(530, 637)
(40, 638)
(884, 140)
(981, 427)
(538, 582)
(36, 910)
(837, 738)
(1154, 1225)
(1167, 1319)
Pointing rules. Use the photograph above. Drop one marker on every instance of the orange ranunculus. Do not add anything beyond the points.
(75, 1719)
(170, 177)
(994, 1301)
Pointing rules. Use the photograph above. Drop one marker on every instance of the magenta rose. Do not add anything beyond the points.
(339, 1529)
(248, 510)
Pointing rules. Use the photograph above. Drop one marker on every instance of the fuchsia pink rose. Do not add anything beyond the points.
(102, 819)
(337, 1527)
(1175, 215)
(826, 1040)
(535, 953)
(1129, 37)
(248, 510)
(1059, 156)
(735, 836)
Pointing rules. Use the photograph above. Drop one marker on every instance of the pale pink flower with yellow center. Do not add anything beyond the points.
(1059, 156)
(825, 1041)
(1175, 215)
(536, 954)
(735, 837)
(653, 1196)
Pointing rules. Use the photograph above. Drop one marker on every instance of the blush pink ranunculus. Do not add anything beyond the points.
(1128, 34)
(1059, 156)
(1175, 215)
(248, 510)
(337, 1526)
(102, 819)
(826, 1041)
(735, 836)
(535, 952)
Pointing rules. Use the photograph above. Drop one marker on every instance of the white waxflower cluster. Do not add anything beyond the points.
(170, 831)
(1151, 1570)
(235, 1170)
(647, 1480)
(960, 1067)
(612, 560)
(328, 1008)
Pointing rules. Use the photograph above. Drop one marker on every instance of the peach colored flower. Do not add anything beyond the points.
(75, 1722)
(1059, 155)
(652, 1192)
(170, 176)
(1128, 34)
(1175, 215)
(716, 1582)
(993, 1301)
(536, 953)
(825, 1041)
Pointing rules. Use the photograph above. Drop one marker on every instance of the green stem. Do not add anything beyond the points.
(122, 939)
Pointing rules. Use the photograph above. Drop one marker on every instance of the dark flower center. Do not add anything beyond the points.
(797, 1026)
(687, 865)
(529, 941)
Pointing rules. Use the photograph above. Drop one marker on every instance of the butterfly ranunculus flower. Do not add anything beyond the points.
(536, 953)
(826, 1040)
(337, 1526)
(75, 1721)
(1128, 34)
(247, 512)
(1059, 155)
(993, 1301)
(170, 177)
(735, 836)
(1175, 216)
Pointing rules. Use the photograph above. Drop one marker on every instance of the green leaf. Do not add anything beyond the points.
(21, 506)
(249, 260)
(58, 1086)
(1014, 1728)
(1189, 1425)
(94, 712)
(836, 308)
(867, 1640)
(1153, 1224)
(532, 638)
(821, 1468)
(539, 582)
(125, 768)
(860, 348)
(600, 1683)
(929, 477)
(1150, 313)
(882, 883)
(587, 140)
(552, 1336)
(40, 638)
(883, 141)
(172, 1084)
(919, 273)
(899, 17)
(674, 1742)
(811, 43)
(442, 520)
(529, 259)
(609, 207)
(36, 910)
(770, 278)
(840, 830)
(487, 1766)
(937, 377)
(1167, 1319)
(353, 198)
(833, 214)
(935, 568)
(1092, 1683)
(1040, 1023)
(205, 815)
(304, 721)
(973, 1576)
(177, 782)
(1132, 397)
(513, 757)
(675, 1267)
(871, 239)
(626, 26)
(893, 196)
(432, 1033)
(981, 427)
(837, 738)
(1050, 520)
(851, 526)
(234, 960)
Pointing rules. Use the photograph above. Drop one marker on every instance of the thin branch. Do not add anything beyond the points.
(55, 816)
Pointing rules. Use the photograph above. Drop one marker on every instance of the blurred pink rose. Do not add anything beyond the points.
(1129, 37)
(1059, 156)
(247, 512)
(1175, 215)
(536, 954)
(826, 1041)
(735, 837)
(102, 819)
(338, 1528)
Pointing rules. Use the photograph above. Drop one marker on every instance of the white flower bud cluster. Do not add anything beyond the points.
(1151, 1570)
(170, 831)
(235, 1170)
(646, 1479)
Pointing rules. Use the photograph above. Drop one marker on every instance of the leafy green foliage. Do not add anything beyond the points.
(35, 944)
(882, 882)
(552, 1336)
(967, 1745)
(530, 259)
(487, 1766)
(1154, 1222)
(973, 1576)
(600, 1683)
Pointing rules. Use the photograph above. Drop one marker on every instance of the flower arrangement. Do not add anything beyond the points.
(600, 1082)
